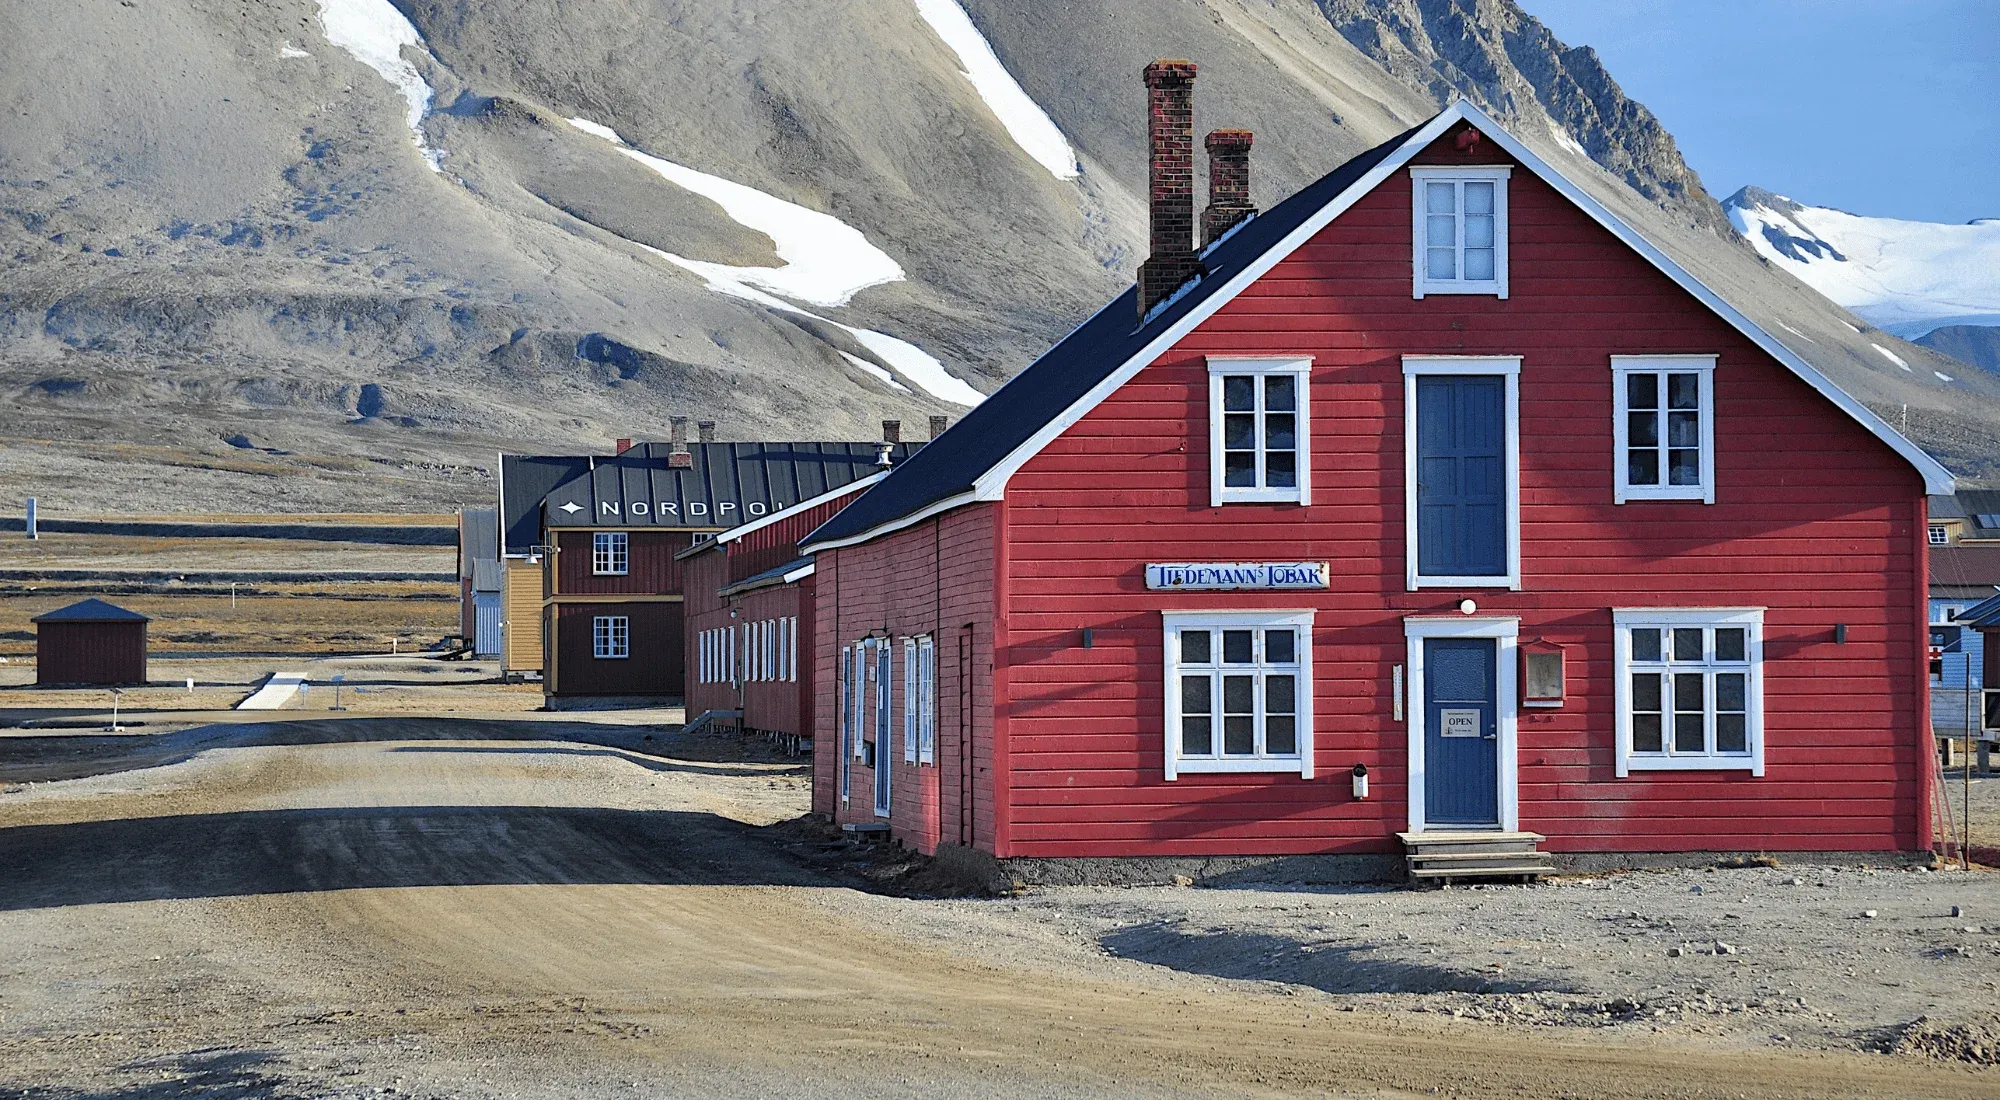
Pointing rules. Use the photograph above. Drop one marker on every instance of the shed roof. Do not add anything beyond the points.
(91, 611)
(973, 458)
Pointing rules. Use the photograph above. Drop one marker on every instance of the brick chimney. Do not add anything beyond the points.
(707, 430)
(624, 444)
(1170, 112)
(892, 431)
(678, 457)
(939, 424)
(1228, 183)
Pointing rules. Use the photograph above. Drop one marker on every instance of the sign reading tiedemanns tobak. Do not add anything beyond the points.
(1226, 576)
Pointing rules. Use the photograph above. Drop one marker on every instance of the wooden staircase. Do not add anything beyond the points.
(1443, 856)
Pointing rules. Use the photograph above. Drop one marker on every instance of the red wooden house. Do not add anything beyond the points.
(1440, 471)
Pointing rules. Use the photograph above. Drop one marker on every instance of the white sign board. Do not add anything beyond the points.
(1227, 576)
(1458, 723)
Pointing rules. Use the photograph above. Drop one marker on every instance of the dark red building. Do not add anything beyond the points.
(605, 536)
(91, 642)
(1440, 470)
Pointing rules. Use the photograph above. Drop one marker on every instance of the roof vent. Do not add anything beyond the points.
(882, 453)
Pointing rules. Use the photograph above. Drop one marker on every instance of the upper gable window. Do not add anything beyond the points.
(1461, 230)
(1663, 427)
(1258, 430)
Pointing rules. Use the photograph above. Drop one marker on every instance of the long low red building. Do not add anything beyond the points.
(1437, 507)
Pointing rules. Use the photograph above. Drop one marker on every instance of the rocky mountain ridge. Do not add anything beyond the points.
(335, 253)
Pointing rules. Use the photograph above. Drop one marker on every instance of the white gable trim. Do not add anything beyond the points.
(762, 522)
(993, 483)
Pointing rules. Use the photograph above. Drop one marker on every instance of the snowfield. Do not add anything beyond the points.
(1030, 126)
(374, 32)
(827, 262)
(1905, 277)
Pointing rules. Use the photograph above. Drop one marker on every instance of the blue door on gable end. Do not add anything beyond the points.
(1461, 476)
(1461, 732)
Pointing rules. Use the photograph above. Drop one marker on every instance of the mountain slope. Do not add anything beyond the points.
(371, 243)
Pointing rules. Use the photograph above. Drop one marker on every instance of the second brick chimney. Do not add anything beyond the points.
(678, 457)
(1228, 184)
(1170, 112)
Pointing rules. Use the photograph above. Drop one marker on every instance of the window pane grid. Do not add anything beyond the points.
(1689, 691)
(1239, 693)
(609, 554)
(1665, 424)
(610, 637)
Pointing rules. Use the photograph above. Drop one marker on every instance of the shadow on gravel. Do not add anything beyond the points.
(650, 763)
(212, 1074)
(1329, 967)
(293, 851)
(32, 759)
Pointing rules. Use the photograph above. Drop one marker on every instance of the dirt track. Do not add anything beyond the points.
(498, 917)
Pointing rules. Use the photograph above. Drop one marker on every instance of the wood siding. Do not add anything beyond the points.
(90, 653)
(652, 669)
(778, 544)
(651, 568)
(1814, 519)
(521, 611)
(934, 578)
(704, 574)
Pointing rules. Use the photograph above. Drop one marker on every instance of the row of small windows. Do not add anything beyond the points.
(867, 693)
(763, 651)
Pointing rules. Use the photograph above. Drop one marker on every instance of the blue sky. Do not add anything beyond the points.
(1888, 108)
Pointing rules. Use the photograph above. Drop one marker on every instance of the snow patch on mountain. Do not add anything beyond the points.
(374, 32)
(1905, 277)
(1030, 126)
(827, 262)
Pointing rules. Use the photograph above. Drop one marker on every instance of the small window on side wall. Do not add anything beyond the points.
(609, 554)
(1460, 230)
(1663, 427)
(1259, 431)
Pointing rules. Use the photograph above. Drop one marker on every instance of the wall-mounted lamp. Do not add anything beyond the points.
(1088, 638)
(1360, 774)
(1840, 634)
(1467, 607)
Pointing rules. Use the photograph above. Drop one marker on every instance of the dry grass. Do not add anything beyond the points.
(304, 619)
(207, 555)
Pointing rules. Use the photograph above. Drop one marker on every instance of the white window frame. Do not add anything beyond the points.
(792, 650)
(845, 694)
(1172, 622)
(926, 700)
(611, 637)
(610, 554)
(1752, 619)
(1622, 367)
(1505, 630)
(1301, 371)
(1421, 283)
(909, 700)
(861, 665)
(1938, 534)
(1505, 366)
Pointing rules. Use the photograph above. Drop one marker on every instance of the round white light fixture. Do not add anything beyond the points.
(1467, 607)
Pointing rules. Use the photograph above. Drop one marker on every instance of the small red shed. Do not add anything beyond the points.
(92, 642)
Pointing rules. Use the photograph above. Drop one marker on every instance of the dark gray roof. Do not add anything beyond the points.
(92, 611)
(949, 465)
(1982, 616)
(725, 484)
(765, 579)
(1979, 508)
(479, 538)
(525, 480)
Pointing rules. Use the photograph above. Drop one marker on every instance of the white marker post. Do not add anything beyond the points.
(115, 727)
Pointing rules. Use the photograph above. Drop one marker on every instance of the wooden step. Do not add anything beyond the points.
(1474, 857)
(1467, 853)
(1483, 872)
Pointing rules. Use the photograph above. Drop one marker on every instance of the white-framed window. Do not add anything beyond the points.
(611, 637)
(702, 667)
(610, 554)
(792, 649)
(909, 700)
(1690, 692)
(1663, 427)
(1259, 430)
(1238, 691)
(860, 674)
(1462, 471)
(926, 700)
(844, 709)
(1460, 230)
(1940, 535)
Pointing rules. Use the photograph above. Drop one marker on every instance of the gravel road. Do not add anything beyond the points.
(436, 907)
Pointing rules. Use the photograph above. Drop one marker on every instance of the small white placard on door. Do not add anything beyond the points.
(1458, 723)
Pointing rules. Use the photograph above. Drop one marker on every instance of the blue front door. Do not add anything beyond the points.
(1461, 476)
(1461, 732)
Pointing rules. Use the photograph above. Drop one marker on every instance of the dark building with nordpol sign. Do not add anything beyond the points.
(604, 537)
(92, 642)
